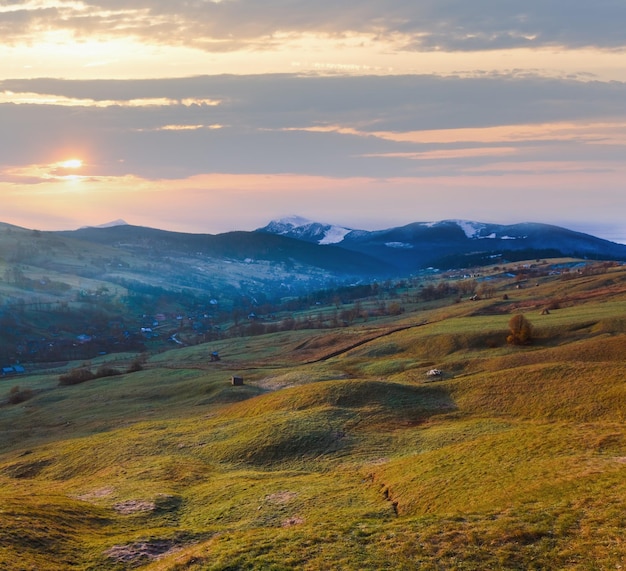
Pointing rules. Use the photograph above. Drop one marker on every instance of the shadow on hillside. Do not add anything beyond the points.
(370, 399)
(324, 419)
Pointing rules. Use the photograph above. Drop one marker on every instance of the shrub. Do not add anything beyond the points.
(106, 371)
(76, 376)
(520, 330)
(134, 366)
(395, 308)
(17, 395)
(137, 363)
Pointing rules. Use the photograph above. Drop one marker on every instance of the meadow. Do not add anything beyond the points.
(339, 451)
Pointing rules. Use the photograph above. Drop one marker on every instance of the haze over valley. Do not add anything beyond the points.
(117, 287)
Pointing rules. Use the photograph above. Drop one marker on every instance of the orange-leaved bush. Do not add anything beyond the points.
(520, 330)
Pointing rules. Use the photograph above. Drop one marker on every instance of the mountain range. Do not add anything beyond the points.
(59, 288)
(293, 255)
(450, 243)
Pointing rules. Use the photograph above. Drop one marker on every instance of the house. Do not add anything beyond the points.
(13, 370)
(236, 380)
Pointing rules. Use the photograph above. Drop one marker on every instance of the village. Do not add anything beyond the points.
(100, 322)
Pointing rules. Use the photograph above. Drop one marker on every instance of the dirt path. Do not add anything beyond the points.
(276, 362)
(364, 341)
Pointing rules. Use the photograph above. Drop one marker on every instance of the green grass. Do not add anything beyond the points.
(514, 459)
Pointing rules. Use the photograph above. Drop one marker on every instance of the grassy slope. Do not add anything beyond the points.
(516, 459)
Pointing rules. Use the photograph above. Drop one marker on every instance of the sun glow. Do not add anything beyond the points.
(71, 164)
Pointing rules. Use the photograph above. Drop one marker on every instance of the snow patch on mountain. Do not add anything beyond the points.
(112, 224)
(494, 236)
(308, 230)
(294, 221)
(471, 229)
(334, 235)
(399, 245)
(287, 224)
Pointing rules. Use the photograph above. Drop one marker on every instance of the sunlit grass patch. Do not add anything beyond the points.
(386, 367)
(46, 531)
(520, 464)
(574, 390)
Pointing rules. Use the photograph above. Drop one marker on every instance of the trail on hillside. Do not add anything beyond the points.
(364, 341)
(275, 362)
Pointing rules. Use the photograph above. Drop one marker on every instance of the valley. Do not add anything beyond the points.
(95, 291)
(340, 450)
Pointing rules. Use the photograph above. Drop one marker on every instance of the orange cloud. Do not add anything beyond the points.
(595, 132)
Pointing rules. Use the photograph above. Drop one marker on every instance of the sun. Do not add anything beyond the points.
(71, 164)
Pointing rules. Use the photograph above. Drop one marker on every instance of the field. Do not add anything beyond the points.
(339, 451)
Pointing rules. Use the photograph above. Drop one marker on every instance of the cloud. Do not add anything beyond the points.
(372, 126)
(519, 123)
(425, 101)
(455, 25)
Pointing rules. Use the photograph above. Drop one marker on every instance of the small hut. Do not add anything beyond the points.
(236, 380)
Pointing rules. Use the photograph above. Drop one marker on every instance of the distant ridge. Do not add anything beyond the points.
(452, 243)
(299, 246)
(239, 245)
(112, 224)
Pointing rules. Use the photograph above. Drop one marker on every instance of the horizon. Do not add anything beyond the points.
(123, 222)
(371, 116)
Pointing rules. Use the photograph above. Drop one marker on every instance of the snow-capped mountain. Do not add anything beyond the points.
(450, 243)
(307, 230)
(321, 233)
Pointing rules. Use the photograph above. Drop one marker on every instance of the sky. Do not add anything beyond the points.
(207, 116)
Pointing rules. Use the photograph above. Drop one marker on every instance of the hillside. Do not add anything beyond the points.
(80, 293)
(339, 451)
(118, 288)
(231, 245)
